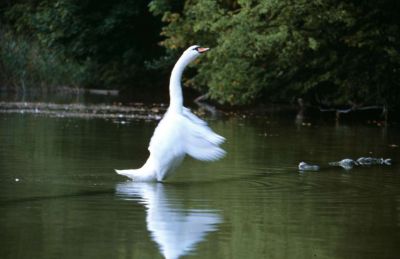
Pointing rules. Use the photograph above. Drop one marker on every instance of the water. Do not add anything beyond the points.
(59, 196)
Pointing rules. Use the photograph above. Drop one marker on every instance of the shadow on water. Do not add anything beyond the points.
(11, 202)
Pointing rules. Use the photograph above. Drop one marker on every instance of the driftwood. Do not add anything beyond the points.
(356, 108)
(77, 90)
(114, 112)
(103, 92)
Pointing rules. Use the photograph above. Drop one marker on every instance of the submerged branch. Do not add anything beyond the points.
(211, 109)
(356, 108)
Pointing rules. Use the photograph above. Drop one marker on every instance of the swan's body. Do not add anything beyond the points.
(180, 132)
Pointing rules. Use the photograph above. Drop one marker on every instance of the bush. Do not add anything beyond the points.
(101, 44)
(328, 52)
(24, 63)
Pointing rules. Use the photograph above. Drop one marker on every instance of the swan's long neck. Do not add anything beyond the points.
(175, 88)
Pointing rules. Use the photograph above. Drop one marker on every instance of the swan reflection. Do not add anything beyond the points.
(175, 229)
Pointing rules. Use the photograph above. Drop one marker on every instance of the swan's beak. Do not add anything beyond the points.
(202, 50)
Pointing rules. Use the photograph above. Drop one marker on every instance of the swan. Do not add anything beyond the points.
(179, 132)
(303, 166)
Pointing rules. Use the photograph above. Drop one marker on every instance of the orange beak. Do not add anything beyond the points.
(202, 50)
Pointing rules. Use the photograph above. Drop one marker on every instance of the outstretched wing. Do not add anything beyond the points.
(180, 134)
(200, 142)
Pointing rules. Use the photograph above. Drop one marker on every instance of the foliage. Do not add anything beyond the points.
(331, 52)
(114, 37)
(25, 64)
(327, 52)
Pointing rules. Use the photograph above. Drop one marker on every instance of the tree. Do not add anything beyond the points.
(330, 52)
(114, 39)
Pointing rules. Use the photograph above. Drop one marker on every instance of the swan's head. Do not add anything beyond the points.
(193, 52)
(302, 165)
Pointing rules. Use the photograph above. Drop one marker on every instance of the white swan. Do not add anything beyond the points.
(180, 132)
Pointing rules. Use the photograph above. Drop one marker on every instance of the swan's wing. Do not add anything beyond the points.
(180, 134)
(200, 142)
(201, 129)
(188, 114)
(201, 149)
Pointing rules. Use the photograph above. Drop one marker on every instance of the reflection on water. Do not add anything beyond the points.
(176, 230)
(254, 203)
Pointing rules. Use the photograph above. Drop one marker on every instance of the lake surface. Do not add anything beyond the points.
(60, 198)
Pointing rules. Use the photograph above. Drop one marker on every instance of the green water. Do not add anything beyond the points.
(60, 198)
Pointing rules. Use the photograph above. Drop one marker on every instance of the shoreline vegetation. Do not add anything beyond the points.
(82, 103)
(330, 58)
